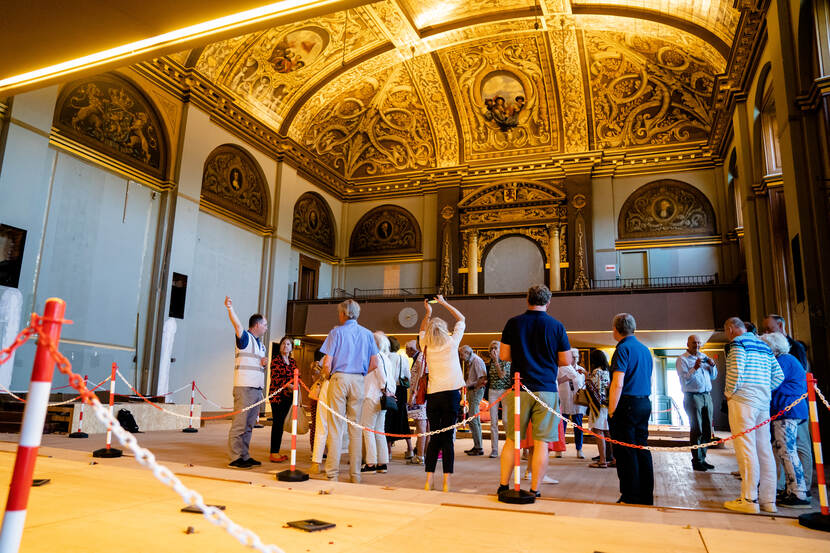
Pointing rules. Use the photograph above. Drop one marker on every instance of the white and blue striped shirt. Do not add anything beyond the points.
(752, 371)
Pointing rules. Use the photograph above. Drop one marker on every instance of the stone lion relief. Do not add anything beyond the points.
(387, 229)
(666, 208)
(110, 114)
(313, 225)
(232, 181)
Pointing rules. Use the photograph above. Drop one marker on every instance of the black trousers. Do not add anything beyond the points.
(442, 411)
(634, 467)
(279, 410)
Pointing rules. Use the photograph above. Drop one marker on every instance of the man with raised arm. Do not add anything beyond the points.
(248, 380)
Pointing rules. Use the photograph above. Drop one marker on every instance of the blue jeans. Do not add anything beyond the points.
(576, 419)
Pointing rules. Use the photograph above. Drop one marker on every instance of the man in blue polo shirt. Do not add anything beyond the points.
(629, 408)
(536, 344)
(350, 353)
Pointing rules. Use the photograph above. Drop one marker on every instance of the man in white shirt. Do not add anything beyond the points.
(571, 378)
(696, 371)
(248, 380)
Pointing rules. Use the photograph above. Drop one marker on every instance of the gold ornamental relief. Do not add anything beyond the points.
(378, 127)
(569, 77)
(509, 215)
(503, 96)
(428, 84)
(647, 91)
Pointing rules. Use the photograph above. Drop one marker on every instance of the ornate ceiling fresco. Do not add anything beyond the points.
(403, 87)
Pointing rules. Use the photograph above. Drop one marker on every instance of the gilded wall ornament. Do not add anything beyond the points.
(666, 208)
(313, 224)
(581, 281)
(570, 76)
(111, 115)
(647, 91)
(385, 230)
(503, 96)
(512, 202)
(234, 184)
(376, 128)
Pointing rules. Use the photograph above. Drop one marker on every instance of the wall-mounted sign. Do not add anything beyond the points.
(610, 268)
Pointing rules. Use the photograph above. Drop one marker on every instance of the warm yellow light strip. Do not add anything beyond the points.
(171, 38)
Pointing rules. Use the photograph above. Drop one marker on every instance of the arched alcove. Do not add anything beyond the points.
(387, 229)
(233, 185)
(513, 264)
(313, 224)
(666, 208)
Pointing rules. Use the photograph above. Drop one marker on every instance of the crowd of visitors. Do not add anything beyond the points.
(363, 377)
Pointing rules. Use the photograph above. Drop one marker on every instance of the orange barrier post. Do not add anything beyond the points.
(80, 433)
(109, 451)
(517, 495)
(820, 520)
(31, 431)
(292, 474)
(190, 428)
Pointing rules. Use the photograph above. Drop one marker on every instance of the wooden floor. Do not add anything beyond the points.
(676, 484)
(115, 505)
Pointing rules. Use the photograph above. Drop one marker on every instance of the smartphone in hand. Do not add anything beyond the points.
(431, 298)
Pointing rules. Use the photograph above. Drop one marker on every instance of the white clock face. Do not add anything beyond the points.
(407, 317)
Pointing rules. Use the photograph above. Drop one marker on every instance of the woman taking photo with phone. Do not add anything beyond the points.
(444, 388)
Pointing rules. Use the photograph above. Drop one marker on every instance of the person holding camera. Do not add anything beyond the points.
(696, 372)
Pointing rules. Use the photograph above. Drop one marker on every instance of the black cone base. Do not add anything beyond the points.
(79, 435)
(190, 429)
(292, 476)
(107, 453)
(815, 521)
(521, 497)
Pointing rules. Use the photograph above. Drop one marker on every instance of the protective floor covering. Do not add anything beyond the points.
(117, 506)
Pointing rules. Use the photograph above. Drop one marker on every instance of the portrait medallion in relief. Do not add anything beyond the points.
(233, 181)
(385, 230)
(666, 208)
(313, 224)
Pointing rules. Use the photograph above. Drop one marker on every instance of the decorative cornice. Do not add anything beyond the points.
(819, 88)
(678, 242)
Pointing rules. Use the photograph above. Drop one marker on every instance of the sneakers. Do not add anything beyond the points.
(579, 454)
(548, 480)
(314, 469)
(239, 463)
(502, 488)
(792, 501)
(474, 451)
(769, 507)
(368, 469)
(700, 467)
(494, 454)
(742, 505)
(708, 465)
(253, 462)
(381, 468)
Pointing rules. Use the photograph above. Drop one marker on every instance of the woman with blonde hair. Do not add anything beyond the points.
(444, 388)
(378, 383)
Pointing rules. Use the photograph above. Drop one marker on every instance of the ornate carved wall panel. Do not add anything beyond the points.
(109, 114)
(377, 127)
(666, 208)
(647, 91)
(385, 230)
(234, 185)
(313, 225)
(512, 203)
(505, 96)
(570, 74)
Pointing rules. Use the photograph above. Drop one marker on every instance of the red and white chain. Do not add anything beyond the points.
(664, 448)
(821, 397)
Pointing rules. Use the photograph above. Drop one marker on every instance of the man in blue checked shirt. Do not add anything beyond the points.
(696, 372)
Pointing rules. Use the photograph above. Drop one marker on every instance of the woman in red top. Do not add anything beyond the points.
(282, 374)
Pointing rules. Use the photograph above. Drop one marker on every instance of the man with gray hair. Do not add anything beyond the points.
(777, 323)
(629, 409)
(475, 377)
(696, 371)
(350, 353)
(752, 372)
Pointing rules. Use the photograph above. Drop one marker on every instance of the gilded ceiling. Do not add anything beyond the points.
(400, 87)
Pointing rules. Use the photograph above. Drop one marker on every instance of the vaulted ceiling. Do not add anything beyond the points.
(402, 86)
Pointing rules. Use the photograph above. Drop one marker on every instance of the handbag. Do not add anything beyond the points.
(581, 397)
(314, 391)
(403, 381)
(302, 421)
(387, 402)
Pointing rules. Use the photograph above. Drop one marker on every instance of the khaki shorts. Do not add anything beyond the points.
(545, 423)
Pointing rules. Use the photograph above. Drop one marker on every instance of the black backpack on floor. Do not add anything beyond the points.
(127, 421)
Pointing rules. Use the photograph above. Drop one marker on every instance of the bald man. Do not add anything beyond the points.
(696, 372)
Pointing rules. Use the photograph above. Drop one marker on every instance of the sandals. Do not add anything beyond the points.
(277, 458)
(598, 465)
(415, 460)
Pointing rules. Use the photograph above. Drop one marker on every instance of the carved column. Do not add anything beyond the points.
(553, 255)
(472, 262)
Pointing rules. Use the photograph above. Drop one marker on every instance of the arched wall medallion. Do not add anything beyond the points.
(234, 186)
(666, 208)
(313, 226)
(385, 230)
(107, 117)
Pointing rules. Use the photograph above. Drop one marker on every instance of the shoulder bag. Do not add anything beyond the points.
(387, 402)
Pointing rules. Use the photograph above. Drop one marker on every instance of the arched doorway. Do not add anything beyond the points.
(513, 264)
